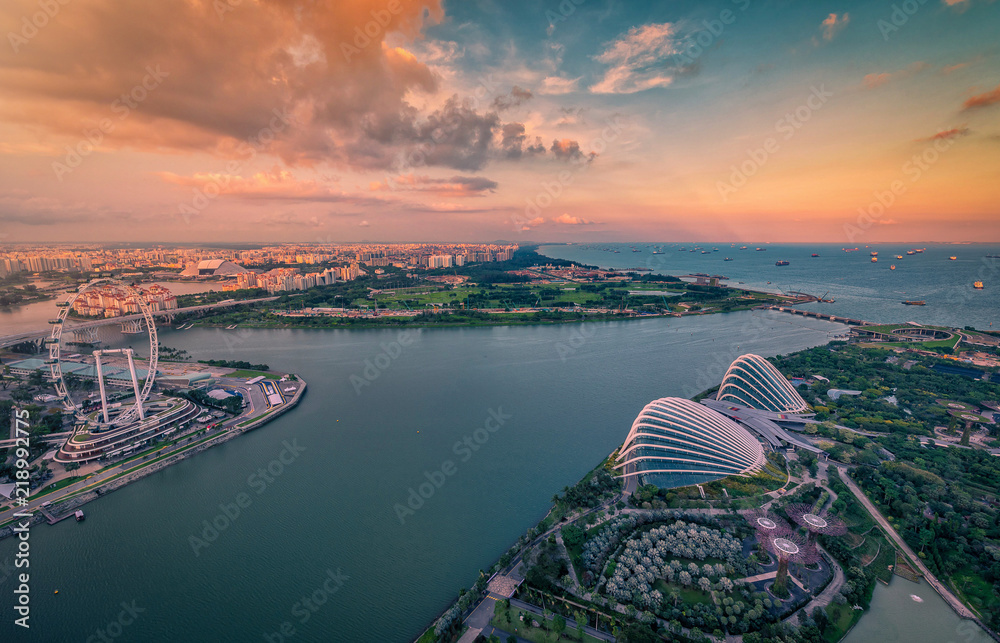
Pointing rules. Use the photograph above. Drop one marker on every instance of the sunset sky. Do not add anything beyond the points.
(572, 120)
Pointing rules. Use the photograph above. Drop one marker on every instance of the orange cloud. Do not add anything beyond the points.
(456, 186)
(834, 24)
(955, 132)
(567, 219)
(227, 67)
(986, 99)
(871, 81)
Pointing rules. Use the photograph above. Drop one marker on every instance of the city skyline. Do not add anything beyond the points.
(572, 122)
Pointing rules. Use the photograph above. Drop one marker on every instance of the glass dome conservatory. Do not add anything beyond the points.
(676, 442)
(754, 382)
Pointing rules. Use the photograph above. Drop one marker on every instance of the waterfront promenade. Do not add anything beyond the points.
(69, 498)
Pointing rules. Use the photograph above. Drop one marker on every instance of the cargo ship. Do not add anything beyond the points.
(781, 263)
(874, 259)
(911, 252)
(978, 285)
(916, 302)
(874, 254)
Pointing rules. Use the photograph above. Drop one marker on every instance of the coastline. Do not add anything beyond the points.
(82, 497)
(480, 592)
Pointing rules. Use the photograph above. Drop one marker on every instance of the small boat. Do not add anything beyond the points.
(743, 247)
(815, 255)
(919, 250)
(914, 302)
(911, 252)
(761, 249)
(874, 254)
(79, 516)
(781, 263)
(874, 259)
(952, 258)
(892, 267)
(916, 599)
(728, 259)
(978, 285)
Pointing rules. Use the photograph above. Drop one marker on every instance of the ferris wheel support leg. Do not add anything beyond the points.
(100, 381)
(135, 386)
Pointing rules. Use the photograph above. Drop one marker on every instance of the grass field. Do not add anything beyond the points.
(688, 594)
(853, 540)
(244, 374)
(534, 634)
(842, 618)
(881, 564)
(513, 295)
(869, 550)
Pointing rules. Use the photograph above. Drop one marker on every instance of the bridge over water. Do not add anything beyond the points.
(809, 313)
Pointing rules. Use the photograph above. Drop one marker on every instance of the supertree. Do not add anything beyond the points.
(815, 523)
(788, 547)
(763, 520)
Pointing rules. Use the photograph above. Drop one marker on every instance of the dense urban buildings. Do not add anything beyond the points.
(212, 262)
(108, 300)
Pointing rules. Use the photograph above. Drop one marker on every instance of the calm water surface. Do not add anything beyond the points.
(860, 289)
(571, 393)
(895, 616)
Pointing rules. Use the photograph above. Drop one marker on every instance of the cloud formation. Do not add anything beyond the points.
(955, 132)
(636, 60)
(514, 99)
(569, 150)
(567, 219)
(556, 85)
(834, 24)
(985, 99)
(231, 66)
(456, 186)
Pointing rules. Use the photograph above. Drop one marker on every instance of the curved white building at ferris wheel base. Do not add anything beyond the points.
(676, 442)
(754, 382)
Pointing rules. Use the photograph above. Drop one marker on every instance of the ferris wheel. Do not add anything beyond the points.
(54, 343)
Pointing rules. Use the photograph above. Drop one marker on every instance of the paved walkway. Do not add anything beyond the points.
(827, 595)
